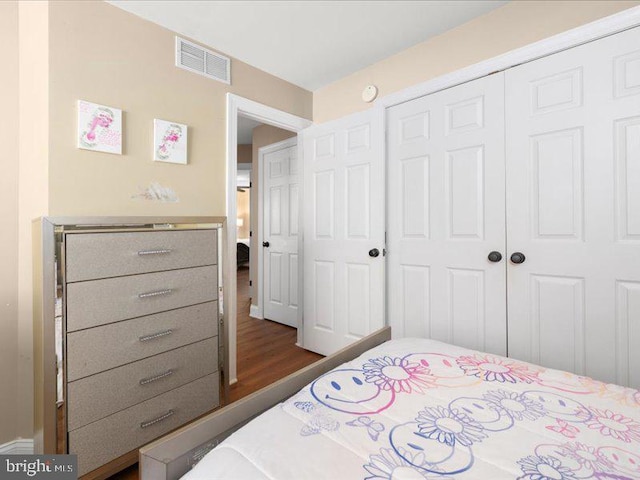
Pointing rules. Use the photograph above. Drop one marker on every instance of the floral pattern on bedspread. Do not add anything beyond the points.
(439, 414)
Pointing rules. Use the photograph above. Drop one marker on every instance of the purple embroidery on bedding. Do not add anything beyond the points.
(514, 404)
(306, 407)
(589, 458)
(442, 439)
(398, 374)
(347, 390)
(544, 468)
(373, 428)
(387, 465)
(495, 369)
(319, 423)
(449, 426)
(564, 428)
(614, 425)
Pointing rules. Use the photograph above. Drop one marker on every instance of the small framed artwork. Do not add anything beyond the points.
(99, 128)
(169, 142)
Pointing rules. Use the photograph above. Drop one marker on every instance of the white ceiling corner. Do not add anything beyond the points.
(309, 43)
(245, 130)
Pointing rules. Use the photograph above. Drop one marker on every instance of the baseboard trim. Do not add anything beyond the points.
(254, 312)
(20, 446)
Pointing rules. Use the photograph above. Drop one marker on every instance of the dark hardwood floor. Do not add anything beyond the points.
(266, 353)
(267, 350)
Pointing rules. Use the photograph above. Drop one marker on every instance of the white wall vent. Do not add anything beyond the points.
(197, 59)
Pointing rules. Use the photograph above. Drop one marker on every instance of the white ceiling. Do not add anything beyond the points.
(309, 43)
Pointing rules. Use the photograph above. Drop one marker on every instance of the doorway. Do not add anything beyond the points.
(259, 351)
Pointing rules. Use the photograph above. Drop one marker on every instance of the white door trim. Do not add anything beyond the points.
(262, 151)
(270, 116)
(571, 38)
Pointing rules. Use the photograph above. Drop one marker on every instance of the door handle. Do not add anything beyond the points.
(518, 257)
(265, 244)
(495, 257)
(374, 252)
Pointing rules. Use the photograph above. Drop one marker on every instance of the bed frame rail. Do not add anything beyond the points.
(173, 455)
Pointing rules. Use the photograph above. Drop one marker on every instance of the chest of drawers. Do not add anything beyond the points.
(128, 313)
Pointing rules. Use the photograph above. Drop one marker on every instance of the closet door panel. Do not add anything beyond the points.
(572, 130)
(446, 213)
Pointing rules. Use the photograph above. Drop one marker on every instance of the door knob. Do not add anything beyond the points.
(265, 244)
(518, 257)
(374, 252)
(495, 257)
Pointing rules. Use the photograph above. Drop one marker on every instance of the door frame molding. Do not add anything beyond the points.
(237, 105)
(262, 151)
(586, 33)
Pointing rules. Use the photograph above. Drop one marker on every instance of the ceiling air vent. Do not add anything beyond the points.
(196, 59)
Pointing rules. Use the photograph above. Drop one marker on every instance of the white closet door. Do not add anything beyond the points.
(343, 223)
(446, 214)
(573, 209)
(281, 235)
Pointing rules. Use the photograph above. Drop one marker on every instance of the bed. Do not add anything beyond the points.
(417, 408)
(243, 251)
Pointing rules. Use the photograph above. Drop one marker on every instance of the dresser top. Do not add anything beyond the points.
(133, 222)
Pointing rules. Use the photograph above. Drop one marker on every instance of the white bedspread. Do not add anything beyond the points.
(420, 409)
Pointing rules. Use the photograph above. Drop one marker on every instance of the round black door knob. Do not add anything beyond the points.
(518, 257)
(495, 257)
(265, 244)
(374, 252)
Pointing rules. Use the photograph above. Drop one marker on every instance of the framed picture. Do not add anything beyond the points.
(99, 128)
(169, 142)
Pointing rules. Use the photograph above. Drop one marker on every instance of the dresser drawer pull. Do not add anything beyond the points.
(153, 336)
(156, 420)
(155, 378)
(160, 251)
(157, 293)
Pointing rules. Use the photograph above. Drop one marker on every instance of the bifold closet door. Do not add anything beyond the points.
(446, 204)
(573, 209)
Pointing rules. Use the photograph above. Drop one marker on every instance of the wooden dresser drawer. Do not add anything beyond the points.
(102, 348)
(98, 302)
(102, 441)
(98, 396)
(100, 255)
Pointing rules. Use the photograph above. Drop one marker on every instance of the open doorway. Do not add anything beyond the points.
(266, 256)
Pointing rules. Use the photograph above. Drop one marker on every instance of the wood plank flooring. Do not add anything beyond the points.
(266, 350)
(266, 353)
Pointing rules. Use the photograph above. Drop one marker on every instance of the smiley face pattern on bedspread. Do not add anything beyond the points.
(446, 412)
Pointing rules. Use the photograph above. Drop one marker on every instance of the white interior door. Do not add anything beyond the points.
(573, 209)
(280, 238)
(446, 214)
(343, 224)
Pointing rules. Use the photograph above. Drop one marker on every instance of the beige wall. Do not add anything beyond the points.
(128, 63)
(262, 136)
(33, 182)
(9, 218)
(124, 62)
(512, 26)
(245, 153)
(243, 199)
